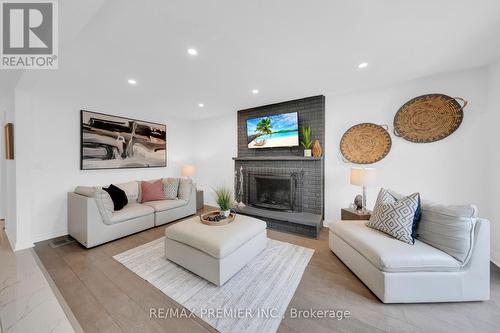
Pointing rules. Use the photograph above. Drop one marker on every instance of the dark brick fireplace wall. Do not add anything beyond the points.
(311, 112)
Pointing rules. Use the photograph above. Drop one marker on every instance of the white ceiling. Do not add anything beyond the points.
(285, 48)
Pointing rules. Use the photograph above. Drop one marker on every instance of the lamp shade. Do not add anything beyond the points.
(188, 170)
(363, 177)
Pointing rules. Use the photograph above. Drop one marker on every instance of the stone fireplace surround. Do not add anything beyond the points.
(305, 215)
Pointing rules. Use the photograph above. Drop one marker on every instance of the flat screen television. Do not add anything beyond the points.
(280, 130)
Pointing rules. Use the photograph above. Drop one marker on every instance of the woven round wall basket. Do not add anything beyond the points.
(365, 143)
(429, 118)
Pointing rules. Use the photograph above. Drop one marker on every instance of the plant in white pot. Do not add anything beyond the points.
(224, 199)
(306, 141)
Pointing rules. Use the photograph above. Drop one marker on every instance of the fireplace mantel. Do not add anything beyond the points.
(277, 158)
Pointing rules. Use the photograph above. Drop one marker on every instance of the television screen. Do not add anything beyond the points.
(281, 130)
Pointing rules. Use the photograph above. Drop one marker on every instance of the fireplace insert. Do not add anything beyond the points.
(272, 191)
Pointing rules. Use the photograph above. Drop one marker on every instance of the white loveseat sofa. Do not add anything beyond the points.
(92, 221)
(449, 262)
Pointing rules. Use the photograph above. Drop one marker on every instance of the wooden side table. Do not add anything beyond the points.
(352, 214)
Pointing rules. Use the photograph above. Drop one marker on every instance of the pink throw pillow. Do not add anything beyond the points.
(152, 191)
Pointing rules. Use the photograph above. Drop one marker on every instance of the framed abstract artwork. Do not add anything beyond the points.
(113, 142)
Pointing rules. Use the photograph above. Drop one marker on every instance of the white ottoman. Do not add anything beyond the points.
(215, 253)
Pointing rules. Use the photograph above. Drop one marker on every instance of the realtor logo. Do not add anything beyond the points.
(29, 35)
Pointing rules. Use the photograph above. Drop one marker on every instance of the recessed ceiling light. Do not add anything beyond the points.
(363, 65)
(201, 105)
(192, 52)
(255, 91)
(132, 81)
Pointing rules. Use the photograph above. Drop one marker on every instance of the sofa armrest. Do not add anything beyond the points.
(82, 213)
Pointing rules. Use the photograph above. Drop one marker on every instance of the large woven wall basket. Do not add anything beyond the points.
(365, 143)
(429, 118)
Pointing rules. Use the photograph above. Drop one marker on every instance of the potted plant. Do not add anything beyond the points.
(224, 199)
(306, 141)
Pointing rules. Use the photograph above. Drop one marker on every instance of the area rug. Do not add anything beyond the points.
(254, 300)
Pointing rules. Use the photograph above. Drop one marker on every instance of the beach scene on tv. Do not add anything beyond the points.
(281, 130)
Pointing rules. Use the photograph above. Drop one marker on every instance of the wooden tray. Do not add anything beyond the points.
(365, 143)
(429, 118)
(223, 222)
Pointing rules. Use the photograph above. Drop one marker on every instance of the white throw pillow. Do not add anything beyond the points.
(170, 188)
(394, 216)
(131, 189)
(185, 187)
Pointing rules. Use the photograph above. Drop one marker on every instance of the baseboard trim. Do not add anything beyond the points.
(23, 246)
(49, 235)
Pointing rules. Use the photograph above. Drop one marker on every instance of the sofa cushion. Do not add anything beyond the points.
(104, 204)
(217, 241)
(449, 228)
(170, 188)
(131, 211)
(151, 191)
(117, 195)
(131, 190)
(87, 191)
(389, 254)
(163, 205)
(395, 216)
(185, 187)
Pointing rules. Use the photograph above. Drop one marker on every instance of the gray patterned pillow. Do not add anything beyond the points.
(170, 188)
(395, 216)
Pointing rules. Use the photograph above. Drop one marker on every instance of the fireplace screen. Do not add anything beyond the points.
(270, 191)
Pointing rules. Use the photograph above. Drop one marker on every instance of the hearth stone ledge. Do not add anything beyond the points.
(306, 224)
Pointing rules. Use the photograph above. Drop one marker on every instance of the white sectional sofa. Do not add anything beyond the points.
(92, 221)
(449, 262)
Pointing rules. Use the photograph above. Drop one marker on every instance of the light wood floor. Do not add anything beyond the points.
(106, 297)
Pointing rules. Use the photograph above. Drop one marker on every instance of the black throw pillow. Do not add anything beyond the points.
(117, 195)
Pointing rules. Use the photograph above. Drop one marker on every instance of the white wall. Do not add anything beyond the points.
(449, 171)
(48, 153)
(3, 107)
(215, 145)
(494, 162)
(8, 172)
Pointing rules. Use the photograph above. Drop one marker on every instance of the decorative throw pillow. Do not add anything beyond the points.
(131, 190)
(152, 191)
(170, 187)
(418, 213)
(117, 195)
(185, 187)
(395, 217)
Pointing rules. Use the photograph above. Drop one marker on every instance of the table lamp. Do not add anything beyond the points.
(363, 177)
(188, 170)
